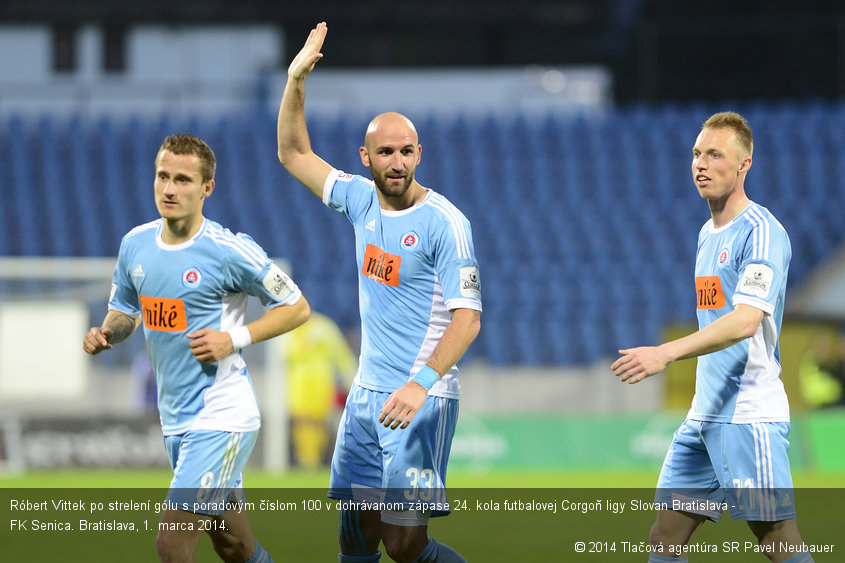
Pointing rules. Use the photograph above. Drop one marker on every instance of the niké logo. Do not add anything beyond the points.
(709, 294)
(381, 266)
(162, 313)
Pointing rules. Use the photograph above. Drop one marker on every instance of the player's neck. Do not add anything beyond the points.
(727, 209)
(412, 196)
(177, 231)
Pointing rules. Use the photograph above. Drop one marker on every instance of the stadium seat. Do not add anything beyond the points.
(585, 228)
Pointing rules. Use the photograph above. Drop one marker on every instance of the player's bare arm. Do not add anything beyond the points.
(209, 345)
(403, 404)
(116, 328)
(294, 146)
(635, 364)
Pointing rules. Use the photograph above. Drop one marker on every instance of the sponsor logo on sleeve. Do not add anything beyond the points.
(381, 266)
(470, 282)
(277, 282)
(757, 280)
(709, 294)
(164, 314)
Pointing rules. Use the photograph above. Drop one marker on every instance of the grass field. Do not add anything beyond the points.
(293, 519)
(158, 478)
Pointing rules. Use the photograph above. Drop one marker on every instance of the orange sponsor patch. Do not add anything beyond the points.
(381, 266)
(161, 313)
(709, 294)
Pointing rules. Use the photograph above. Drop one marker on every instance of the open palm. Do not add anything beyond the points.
(310, 53)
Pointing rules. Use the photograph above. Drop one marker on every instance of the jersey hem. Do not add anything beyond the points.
(216, 427)
(434, 392)
(741, 420)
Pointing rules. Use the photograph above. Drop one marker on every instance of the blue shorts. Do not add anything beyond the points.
(395, 469)
(713, 466)
(207, 467)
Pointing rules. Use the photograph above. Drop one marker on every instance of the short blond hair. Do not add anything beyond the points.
(735, 122)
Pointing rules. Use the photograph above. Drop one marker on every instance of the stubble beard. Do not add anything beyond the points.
(382, 185)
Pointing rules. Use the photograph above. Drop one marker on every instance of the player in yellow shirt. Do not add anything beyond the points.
(318, 360)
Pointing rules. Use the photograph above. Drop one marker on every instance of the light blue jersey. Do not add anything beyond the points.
(178, 289)
(414, 266)
(743, 262)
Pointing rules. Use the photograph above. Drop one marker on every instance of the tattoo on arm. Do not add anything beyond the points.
(122, 326)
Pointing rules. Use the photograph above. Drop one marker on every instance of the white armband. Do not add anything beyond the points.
(241, 338)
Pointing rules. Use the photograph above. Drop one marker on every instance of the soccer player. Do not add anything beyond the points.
(420, 302)
(732, 448)
(187, 278)
(320, 364)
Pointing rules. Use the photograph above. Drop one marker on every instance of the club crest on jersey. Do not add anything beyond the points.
(724, 255)
(410, 240)
(191, 277)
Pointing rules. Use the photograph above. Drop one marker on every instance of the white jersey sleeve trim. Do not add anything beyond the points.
(764, 306)
(453, 304)
(327, 187)
(292, 299)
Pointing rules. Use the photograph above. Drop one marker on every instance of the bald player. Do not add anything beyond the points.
(419, 296)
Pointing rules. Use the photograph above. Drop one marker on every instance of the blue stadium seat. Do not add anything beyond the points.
(585, 228)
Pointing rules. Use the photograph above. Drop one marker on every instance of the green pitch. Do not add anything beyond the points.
(498, 516)
(158, 478)
(154, 478)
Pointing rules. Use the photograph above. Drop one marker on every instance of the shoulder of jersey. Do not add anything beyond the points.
(448, 211)
(758, 214)
(347, 177)
(146, 227)
(758, 217)
(239, 243)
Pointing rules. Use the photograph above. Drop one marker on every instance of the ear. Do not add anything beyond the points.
(419, 153)
(208, 188)
(744, 165)
(365, 156)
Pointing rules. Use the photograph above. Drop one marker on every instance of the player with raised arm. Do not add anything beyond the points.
(187, 279)
(731, 451)
(420, 303)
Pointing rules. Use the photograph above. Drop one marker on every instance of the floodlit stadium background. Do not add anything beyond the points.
(562, 131)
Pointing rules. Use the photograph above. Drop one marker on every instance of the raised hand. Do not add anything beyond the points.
(304, 61)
